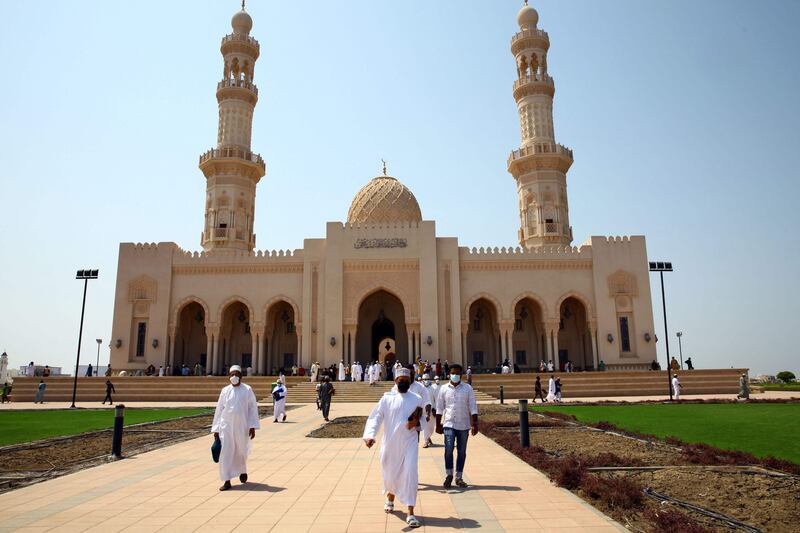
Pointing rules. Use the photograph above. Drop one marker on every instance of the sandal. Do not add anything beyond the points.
(461, 483)
(412, 521)
(388, 507)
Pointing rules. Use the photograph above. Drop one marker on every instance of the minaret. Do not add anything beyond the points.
(540, 165)
(232, 171)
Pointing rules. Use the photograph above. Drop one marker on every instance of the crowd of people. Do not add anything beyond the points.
(418, 405)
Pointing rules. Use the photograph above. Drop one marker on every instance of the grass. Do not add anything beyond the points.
(780, 386)
(761, 429)
(26, 426)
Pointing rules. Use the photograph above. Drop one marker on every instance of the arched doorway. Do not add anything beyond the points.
(483, 339)
(574, 339)
(381, 316)
(236, 343)
(190, 338)
(281, 338)
(528, 338)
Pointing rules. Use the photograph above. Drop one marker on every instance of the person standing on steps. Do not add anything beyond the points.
(456, 414)
(40, 392)
(235, 424)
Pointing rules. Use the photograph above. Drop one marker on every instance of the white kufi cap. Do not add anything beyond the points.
(400, 372)
(235, 368)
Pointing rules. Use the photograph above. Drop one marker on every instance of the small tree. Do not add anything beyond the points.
(785, 376)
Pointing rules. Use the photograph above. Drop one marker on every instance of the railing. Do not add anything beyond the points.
(550, 227)
(524, 34)
(539, 78)
(238, 153)
(242, 84)
(236, 37)
(540, 148)
(220, 233)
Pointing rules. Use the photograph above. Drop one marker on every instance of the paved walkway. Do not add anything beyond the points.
(296, 484)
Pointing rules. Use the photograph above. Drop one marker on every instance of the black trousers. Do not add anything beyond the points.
(108, 399)
(326, 407)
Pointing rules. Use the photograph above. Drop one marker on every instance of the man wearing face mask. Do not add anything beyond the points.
(235, 424)
(456, 413)
(427, 405)
(430, 421)
(399, 410)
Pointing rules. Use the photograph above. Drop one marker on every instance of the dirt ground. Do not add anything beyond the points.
(25, 464)
(768, 502)
(345, 427)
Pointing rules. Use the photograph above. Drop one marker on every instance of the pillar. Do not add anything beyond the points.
(217, 359)
(209, 352)
(171, 353)
(412, 352)
(595, 352)
(254, 351)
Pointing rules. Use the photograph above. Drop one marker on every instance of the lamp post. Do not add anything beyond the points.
(97, 364)
(85, 275)
(680, 347)
(661, 267)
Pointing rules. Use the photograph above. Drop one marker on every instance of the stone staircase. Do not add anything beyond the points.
(607, 384)
(487, 387)
(347, 391)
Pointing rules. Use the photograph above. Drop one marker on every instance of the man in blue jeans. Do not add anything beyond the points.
(456, 414)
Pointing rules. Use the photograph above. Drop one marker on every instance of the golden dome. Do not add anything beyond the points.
(384, 200)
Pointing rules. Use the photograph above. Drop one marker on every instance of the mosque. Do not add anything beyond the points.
(383, 284)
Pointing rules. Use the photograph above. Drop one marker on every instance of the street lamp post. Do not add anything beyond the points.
(661, 267)
(680, 347)
(85, 275)
(97, 364)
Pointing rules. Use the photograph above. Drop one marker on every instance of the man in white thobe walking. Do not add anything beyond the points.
(551, 389)
(235, 424)
(354, 372)
(399, 411)
(676, 387)
(430, 422)
(279, 401)
(341, 371)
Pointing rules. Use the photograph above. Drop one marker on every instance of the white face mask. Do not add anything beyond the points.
(427, 383)
(234, 380)
(455, 378)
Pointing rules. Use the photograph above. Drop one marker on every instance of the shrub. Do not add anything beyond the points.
(671, 521)
(611, 459)
(568, 473)
(615, 492)
(786, 376)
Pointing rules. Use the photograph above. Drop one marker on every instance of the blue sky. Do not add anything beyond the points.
(683, 118)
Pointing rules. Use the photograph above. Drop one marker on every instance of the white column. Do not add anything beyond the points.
(262, 363)
(411, 346)
(595, 352)
(209, 352)
(217, 359)
(171, 357)
(254, 351)
(556, 361)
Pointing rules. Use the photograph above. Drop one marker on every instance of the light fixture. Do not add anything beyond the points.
(118, 343)
(199, 316)
(155, 343)
(567, 312)
(333, 341)
(429, 340)
(523, 313)
(241, 315)
(610, 338)
(284, 316)
(647, 337)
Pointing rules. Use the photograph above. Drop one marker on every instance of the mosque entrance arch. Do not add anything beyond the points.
(381, 319)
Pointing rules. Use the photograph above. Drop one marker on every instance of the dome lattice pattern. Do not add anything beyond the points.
(384, 200)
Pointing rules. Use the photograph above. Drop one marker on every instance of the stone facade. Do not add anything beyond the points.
(383, 284)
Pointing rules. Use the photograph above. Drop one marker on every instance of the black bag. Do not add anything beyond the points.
(216, 449)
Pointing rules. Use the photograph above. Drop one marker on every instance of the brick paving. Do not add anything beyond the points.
(296, 484)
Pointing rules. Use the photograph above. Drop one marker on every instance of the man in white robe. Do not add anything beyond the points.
(354, 372)
(314, 372)
(429, 424)
(341, 371)
(676, 387)
(279, 401)
(551, 389)
(235, 424)
(374, 373)
(399, 411)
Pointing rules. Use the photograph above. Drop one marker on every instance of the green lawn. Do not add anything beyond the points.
(780, 386)
(761, 429)
(26, 426)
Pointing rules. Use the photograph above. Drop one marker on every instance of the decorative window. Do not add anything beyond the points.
(477, 357)
(520, 357)
(476, 324)
(624, 334)
(290, 327)
(518, 324)
(141, 334)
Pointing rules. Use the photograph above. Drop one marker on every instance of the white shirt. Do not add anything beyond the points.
(456, 404)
